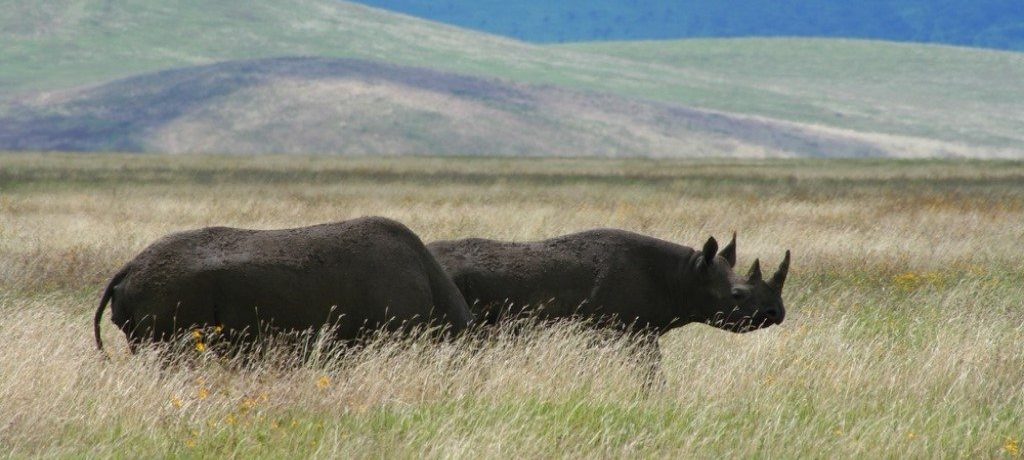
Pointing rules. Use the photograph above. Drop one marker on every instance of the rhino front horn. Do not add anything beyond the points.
(779, 278)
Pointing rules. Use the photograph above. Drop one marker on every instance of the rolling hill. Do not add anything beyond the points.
(911, 99)
(985, 23)
(320, 105)
(960, 95)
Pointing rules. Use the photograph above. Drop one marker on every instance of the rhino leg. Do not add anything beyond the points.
(650, 353)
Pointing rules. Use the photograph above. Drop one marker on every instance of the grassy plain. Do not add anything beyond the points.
(903, 335)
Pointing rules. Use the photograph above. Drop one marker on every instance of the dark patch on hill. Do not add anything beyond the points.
(346, 106)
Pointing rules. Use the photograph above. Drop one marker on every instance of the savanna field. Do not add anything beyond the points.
(904, 332)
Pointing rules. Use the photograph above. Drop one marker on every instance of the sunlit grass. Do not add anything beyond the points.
(903, 333)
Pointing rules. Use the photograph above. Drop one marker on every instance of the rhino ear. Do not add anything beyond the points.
(779, 278)
(754, 275)
(708, 253)
(729, 251)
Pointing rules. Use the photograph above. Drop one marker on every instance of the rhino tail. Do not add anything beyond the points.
(108, 293)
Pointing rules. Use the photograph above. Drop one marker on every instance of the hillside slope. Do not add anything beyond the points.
(953, 94)
(318, 105)
(56, 44)
(967, 98)
(986, 23)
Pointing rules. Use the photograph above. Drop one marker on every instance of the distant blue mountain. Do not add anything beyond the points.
(982, 23)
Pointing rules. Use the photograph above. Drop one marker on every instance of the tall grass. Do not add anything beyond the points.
(902, 339)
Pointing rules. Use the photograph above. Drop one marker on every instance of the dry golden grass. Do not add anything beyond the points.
(903, 335)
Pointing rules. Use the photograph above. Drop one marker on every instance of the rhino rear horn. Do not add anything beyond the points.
(729, 251)
(754, 275)
(779, 278)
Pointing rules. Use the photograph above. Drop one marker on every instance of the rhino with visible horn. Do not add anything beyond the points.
(763, 298)
(632, 280)
(616, 278)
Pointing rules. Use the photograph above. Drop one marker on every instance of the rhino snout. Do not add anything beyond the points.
(774, 315)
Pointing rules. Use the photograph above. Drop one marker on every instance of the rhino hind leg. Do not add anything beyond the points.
(165, 315)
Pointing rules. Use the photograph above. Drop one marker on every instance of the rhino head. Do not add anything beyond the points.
(759, 302)
(737, 304)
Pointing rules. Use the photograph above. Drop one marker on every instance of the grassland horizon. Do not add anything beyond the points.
(902, 339)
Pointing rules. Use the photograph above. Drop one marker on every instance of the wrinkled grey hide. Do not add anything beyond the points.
(635, 283)
(614, 277)
(356, 275)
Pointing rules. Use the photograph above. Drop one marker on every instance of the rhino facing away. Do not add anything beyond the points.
(618, 278)
(356, 275)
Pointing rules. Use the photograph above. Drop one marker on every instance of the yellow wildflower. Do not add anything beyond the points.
(197, 335)
(936, 279)
(230, 419)
(200, 347)
(218, 329)
(907, 281)
(1012, 447)
(203, 393)
(323, 382)
(248, 403)
(176, 402)
(190, 443)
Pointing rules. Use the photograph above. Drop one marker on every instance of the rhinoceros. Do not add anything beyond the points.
(616, 278)
(351, 276)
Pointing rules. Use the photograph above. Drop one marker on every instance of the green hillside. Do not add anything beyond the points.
(995, 24)
(916, 93)
(954, 94)
(53, 44)
(56, 44)
(350, 106)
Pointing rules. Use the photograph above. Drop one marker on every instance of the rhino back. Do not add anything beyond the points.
(351, 274)
(593, 273)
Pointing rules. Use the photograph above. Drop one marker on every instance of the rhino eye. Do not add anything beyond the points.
(739, 294)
